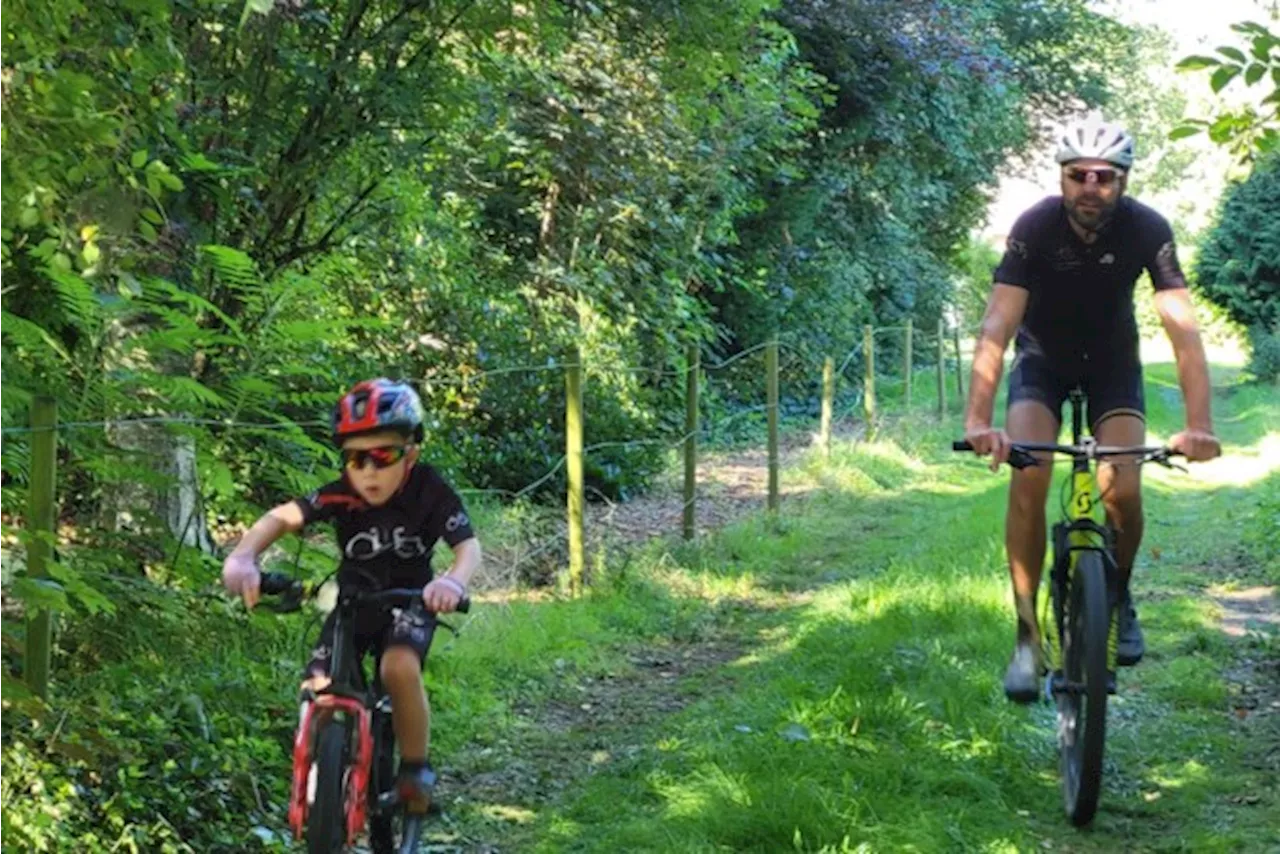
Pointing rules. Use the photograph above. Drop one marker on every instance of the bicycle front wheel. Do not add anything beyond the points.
(327, 817)
(1082, 700)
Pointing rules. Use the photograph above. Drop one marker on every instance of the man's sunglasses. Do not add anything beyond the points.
(381, 458)
(1104, 177)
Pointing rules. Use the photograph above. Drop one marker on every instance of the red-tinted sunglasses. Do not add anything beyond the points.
(382, 458)
(1104, 177)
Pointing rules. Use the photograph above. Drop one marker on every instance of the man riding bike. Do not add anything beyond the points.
(1065, 286)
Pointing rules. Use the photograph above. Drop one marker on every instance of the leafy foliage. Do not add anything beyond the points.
(222, 214)
(1239, 262)
(1248, 130)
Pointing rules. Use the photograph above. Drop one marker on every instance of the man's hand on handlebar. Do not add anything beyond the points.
(1196, 445)
(989, 440)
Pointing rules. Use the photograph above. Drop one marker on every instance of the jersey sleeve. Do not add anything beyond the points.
(326, 502)
(447, 519)
(1015, 267)
(1161, 257)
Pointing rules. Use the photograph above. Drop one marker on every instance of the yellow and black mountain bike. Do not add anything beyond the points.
(1080, 644)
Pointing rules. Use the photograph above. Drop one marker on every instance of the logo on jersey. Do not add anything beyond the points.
(456, 521)
(369, 544)
(1017, 247)
(1065, 259)
(1107, 259)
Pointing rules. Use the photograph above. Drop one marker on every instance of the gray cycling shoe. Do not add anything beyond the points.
(1129, 647)
(1022, 679)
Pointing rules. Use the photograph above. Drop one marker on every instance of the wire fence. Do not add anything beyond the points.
(796, 385)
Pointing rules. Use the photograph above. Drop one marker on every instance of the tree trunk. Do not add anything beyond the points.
(173, 502)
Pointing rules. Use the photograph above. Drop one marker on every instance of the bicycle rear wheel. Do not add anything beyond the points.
(327, 817)
(1082, 702)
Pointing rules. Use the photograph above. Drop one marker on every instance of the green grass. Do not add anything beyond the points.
(856, 704)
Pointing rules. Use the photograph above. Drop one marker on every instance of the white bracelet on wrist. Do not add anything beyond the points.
(462, 591)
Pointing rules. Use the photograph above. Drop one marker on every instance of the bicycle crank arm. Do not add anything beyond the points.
(1055, 684)
(412, 830)
(391, 800)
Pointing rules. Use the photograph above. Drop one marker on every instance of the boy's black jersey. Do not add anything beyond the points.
(391, 543)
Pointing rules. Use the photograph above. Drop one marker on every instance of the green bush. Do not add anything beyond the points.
(1239, 264)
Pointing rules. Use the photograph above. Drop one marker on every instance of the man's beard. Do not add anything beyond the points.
(1094, 219)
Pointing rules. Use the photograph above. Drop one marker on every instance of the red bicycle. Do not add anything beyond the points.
(344, 748)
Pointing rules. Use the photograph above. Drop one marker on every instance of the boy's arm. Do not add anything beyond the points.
(444, 593)
(240, 570)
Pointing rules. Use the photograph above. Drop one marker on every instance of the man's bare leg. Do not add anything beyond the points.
(1120, 482)
(1024, 538)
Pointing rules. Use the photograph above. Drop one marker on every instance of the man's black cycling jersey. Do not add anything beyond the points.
(391, 543)
(1081, 295)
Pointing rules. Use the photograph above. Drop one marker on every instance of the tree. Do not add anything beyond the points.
(1247, 131)
(1239, 263)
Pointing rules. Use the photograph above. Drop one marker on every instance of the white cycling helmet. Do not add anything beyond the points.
(1093, 138)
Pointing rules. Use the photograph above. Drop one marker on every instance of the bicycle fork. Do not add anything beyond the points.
(313, 714)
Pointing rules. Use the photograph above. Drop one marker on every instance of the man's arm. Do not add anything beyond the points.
(1005, 309)
(1178, 315)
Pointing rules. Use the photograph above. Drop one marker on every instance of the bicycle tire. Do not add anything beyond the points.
(382, 827)
(1082, 715)
(327, 818)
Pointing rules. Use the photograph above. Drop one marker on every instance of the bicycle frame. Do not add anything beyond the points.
(1080, 531)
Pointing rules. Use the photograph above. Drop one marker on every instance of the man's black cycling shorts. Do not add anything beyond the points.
(1112, 387)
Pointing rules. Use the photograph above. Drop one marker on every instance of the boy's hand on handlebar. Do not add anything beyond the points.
(443, 595)
(241, 576)
(989, 440)
(1196, 445)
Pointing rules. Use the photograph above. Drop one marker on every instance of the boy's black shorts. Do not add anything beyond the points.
(377, 629)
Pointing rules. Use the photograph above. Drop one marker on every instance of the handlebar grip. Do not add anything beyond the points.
(275, 583)
(961, 445)
(464, 605)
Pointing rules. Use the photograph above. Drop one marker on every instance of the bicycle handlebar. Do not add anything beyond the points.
(1083, 450)
(1020, 452)
(279, 584)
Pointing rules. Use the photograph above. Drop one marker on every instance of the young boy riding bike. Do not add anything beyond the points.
(388, 510)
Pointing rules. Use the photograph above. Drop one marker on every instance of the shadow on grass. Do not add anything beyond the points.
(883, 723)
(874, 714)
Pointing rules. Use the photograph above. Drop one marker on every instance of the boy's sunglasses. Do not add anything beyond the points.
(1104, 177)
(381, 458)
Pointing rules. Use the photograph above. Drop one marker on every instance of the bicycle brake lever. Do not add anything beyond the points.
(288, 601)
(1021, 459)
(1164, 458)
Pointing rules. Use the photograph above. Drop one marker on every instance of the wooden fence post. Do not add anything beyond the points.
(869, 379)
(771, 371)
(942, 369)
(40, 527)
(693, 366)
(906, 366)
(955, 334)
(828, 402)
(573, 459)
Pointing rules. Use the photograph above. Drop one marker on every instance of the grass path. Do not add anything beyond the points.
(834, 684)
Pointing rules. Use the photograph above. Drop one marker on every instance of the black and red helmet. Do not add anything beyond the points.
(375, 405)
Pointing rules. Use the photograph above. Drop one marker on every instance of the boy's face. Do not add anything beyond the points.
(362, 456)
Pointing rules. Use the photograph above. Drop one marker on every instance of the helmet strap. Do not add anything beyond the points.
(410, 460)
